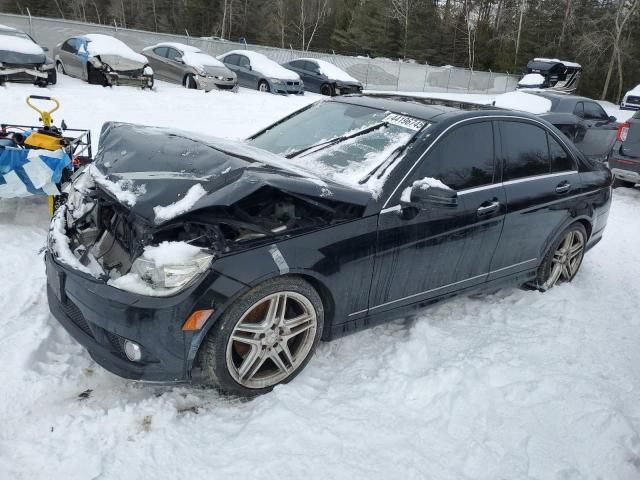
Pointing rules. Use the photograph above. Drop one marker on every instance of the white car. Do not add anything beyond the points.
(631, 99)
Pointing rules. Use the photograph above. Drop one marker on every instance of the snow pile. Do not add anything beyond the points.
(555, 60)
(105, 45)
(59, 242)
(531, 80)
(171, 253)
(424, 184)
(263, 65)
(181, 206)
(331, 71)
(122, 189)
(524, 102)
(23, 45)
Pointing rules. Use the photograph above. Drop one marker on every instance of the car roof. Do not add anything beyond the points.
(425, 108)
(562, 102)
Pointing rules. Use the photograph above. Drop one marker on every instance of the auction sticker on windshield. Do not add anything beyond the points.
(404, 121)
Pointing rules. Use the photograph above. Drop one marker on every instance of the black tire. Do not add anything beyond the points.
(618, 182)
(263, 86)
(214, 349)
(95, 77)
(327, 89)
(190, 82)
(543, 281)
(53, 77)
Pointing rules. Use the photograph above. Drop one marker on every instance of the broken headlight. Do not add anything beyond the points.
(171, 276)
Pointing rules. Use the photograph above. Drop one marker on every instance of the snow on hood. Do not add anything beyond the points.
(634, 91)
(331, 71)
(162, 167)
(531, 80)
(262, 64)
(555, 60)
(19, 45)
(524, 102)
(105, 45)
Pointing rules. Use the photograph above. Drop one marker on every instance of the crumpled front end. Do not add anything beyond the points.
(122, 71)
(37, 73)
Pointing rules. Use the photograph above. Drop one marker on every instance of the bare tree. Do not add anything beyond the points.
(401, 10)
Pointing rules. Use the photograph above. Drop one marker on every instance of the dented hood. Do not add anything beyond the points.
(160, 165)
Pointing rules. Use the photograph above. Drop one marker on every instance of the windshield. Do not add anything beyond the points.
(341, 141)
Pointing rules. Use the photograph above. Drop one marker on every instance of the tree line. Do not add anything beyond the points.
(496, 35)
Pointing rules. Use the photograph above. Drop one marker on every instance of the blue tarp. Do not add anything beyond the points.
(31, 172)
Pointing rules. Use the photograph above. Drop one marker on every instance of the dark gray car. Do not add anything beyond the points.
(23, 60)
(584, 121)
(624, 159)
(323, 77)
(190, 67)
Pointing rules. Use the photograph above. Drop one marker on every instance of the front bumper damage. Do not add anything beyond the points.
(114, 78)
(24, 73)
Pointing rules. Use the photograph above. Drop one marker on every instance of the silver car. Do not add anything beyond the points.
(102, 60)
(260, 73)
(189, 66)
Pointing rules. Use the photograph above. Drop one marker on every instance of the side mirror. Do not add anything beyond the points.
(248, 67)
(179, 60)
(45, 49)
(422, 196)
(612, 118)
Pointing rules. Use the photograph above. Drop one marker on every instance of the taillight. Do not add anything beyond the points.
(623, 131)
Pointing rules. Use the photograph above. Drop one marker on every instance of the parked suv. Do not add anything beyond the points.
(347, 213)
(624, 159)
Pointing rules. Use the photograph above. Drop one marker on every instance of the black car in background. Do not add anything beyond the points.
(227, 262)
(584, 121)
(323, 77)
(624, 159)
(23, 60)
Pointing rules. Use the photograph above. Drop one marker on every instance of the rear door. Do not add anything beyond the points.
(175, 65)
(425, 253)
(540, 181)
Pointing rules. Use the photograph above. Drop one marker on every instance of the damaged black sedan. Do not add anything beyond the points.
(181, 258)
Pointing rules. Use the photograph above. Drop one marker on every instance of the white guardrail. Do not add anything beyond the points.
(375, 74)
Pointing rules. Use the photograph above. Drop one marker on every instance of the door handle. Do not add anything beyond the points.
(563, 187)
(488, 208)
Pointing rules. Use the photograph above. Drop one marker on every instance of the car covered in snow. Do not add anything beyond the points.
(190, 67)
(23, 60)
(323, 77)
(631, 99)
(184, 258)
(624, 159)
(256, 71)
(102, 60)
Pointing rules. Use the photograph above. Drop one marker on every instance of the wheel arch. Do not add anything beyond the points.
(586, 222)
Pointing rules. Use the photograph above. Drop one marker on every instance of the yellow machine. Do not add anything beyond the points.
(49, 137)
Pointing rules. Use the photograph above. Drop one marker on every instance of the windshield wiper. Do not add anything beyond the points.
(333, 141)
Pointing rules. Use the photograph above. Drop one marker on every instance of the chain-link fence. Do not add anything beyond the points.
(375, 74)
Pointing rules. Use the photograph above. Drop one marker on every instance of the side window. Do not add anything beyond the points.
(173, 54)
(461, 159)
(593, 111)
(231, 59)
(313, 67)
(298, 64)
(243, 61)
(161, 51)
(561, 161)
(525, 151)
(579, 110)
(69, 46)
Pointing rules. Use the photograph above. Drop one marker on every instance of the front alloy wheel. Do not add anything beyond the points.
(563, 261)
(265, 338)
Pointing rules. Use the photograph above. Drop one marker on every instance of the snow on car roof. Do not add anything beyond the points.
(264, 65)
(192, 56)
(20, 44)
(555, 60)
(524, 102)
(179, 46)
(330, 70)
(7, 27)
(105, 45)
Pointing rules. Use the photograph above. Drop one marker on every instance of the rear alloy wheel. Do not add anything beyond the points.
(327, 90)
(265, 338)
(562, 262)
(263, 86)
(190, 82)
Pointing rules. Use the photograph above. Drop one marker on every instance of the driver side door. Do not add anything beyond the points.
(426, 251)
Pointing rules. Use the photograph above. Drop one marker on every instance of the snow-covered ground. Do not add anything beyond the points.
(513, 385)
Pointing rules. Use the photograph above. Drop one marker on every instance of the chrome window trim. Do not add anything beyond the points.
(486, 117)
